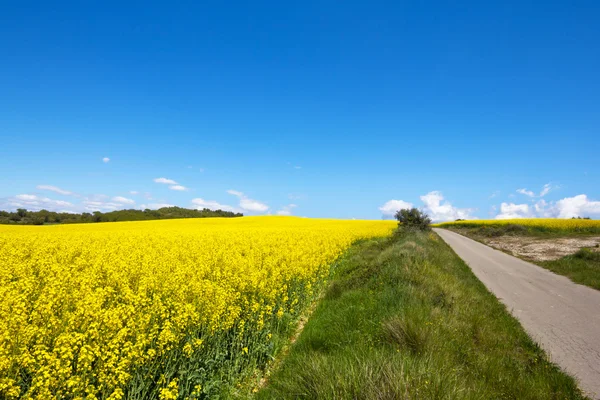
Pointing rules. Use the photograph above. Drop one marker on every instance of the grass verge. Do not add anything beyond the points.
(582, 267)
(533, 226)
(492, 231)
(405, 318)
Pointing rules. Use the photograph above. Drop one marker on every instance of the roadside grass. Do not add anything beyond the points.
(532, 226)
(405, 318)
(492, 231)
(582, 267)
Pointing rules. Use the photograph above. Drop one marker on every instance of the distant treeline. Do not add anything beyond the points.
(24, 217)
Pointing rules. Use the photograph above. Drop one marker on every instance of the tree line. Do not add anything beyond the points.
(45, 217)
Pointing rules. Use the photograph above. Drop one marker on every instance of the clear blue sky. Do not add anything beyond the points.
(334, 107)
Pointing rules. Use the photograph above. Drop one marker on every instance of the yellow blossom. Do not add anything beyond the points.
(86, 308)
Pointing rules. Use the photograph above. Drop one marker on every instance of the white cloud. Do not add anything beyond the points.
(286, 210)
(174, 185)
(35, 203)
(101, 202)
(543, 209)
(577, 206)
(434, 206)
(390, 207)
(95, 202)
(526, 192)
(26, 197)
(133, 192)
(165, 181)
(440, 210)
(105, 159)
(253, 205)
(123, 200)
(104, 206)
(200, 203)
(55, 189)
(547, 188)
(512, 211)
(249, 204)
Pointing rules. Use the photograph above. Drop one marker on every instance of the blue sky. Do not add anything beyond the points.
(316, 109)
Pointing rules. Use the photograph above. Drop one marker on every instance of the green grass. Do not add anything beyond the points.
(491, 231)
(582, 267)
(405, 318)
(531, 226)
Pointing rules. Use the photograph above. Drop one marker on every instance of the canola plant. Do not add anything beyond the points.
(156, 309)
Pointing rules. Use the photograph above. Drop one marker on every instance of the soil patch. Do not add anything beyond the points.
(542, 249)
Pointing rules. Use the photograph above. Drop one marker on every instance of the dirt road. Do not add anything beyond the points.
(562, 316)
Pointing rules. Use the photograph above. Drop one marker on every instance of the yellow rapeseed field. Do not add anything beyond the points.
(536, 224)
(155, 309)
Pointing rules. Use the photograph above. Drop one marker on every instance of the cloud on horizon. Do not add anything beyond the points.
(433, 204)
(568, 207)
(390, 207)
(440, 210)
(34, 203)
(286, 210)
(199, 203)
(249, 204)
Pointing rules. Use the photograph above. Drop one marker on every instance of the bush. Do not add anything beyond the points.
(587, 254)
(413, 219)
(500, 230)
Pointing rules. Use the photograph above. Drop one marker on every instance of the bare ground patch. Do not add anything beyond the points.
(542, 249)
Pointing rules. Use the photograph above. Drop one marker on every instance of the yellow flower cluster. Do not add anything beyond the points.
(154, 308)
(541, 224)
